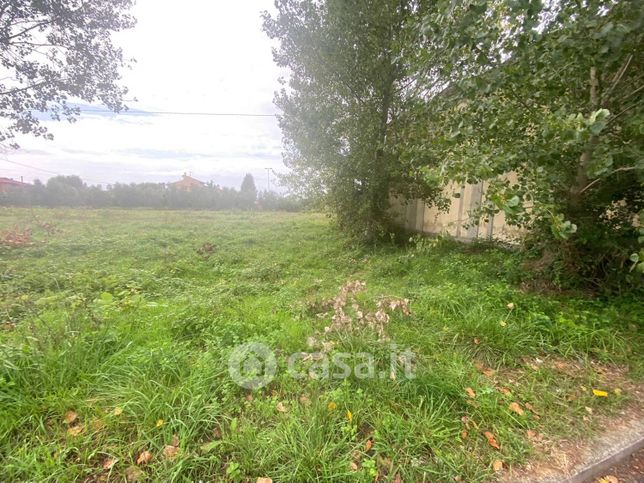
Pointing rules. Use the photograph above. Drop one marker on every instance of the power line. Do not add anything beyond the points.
(31, 167)
(177, 113)
(46, 170)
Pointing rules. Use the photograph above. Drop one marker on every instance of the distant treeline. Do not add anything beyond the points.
(72, 191)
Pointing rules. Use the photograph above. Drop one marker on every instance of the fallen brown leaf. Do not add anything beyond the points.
(109, 463)
(497, 465)
(470, 392)
(531, 434)
(464, 434)
(75, 430)
(515, 407)
(530, 408)
(483, 369)
(70, 417)
(175, 440)
(505, 391)
(397, 478)
(304, 399)
(144, 458)
(170, 452)
(368, 445)
(281, 408)
(491, 440)
(353, 466)
(477, 341)
(264, 480)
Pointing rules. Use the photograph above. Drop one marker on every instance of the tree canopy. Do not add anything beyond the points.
(552, 94)
(342, 110)
(248, 191)
(54, 53)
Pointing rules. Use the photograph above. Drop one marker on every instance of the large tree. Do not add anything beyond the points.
(553, 93)
(54, 52)
(342, 110)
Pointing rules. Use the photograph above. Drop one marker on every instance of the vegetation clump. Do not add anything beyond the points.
(541, 101)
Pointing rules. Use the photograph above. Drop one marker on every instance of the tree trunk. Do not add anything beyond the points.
(581, 180)
(380, 184)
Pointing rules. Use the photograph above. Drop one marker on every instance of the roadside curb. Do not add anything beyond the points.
(582, 460)
(599, 468)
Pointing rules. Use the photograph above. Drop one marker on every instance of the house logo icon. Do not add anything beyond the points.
(252, 365)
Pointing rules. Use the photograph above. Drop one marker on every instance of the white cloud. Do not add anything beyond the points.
(195, 56)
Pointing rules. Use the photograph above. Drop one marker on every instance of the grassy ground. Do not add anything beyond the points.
(117, 327)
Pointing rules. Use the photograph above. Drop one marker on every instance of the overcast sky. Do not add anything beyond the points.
(195, 56)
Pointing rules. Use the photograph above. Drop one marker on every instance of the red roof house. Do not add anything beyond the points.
(187, 183)
(7, 183)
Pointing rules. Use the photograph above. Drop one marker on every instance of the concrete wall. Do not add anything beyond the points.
(417, 216)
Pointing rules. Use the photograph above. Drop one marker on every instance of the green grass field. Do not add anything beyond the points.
(117, 328)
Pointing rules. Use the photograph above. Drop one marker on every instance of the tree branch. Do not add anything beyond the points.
(629, 168)
(618, 76)
(612, 119)
(22, 89)
(632, 93)
(24, 31)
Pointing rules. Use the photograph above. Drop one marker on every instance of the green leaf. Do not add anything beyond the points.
(598, 121)
(210, 446)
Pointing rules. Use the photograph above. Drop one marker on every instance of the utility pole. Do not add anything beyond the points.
(268, 178)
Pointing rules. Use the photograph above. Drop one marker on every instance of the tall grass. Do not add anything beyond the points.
(121, 318)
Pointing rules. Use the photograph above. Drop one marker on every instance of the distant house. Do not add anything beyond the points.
(187, 183)
(7, 183)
